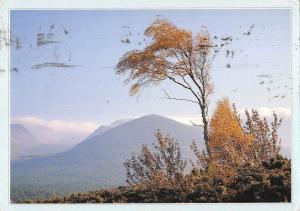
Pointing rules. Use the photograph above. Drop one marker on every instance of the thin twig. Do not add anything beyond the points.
(167, 96)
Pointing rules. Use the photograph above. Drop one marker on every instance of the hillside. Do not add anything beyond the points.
(96, 162)
(252, 184)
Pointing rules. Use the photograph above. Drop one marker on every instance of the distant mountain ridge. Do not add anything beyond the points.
(30, 140)
(97, 162)
(101, 129)
(98, 131)
(22, 141)
(27, 142)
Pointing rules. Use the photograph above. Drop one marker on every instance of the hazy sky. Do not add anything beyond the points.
(92, 92)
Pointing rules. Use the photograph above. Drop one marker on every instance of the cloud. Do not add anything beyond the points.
(83, 128)
(268, 112)
(188, 120)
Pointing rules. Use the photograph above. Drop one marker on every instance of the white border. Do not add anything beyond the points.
(5, 6)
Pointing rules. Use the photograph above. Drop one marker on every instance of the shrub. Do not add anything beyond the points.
(162, 168)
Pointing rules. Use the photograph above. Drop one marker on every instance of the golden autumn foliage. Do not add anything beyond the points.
(176, 55)
(234, 144)
(173, 54)
(228, 141)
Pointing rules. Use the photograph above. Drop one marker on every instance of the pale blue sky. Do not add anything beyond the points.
(93, 92)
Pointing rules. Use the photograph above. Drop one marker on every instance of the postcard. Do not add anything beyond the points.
(126, 105)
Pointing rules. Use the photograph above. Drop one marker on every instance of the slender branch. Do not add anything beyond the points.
(177, 82)
(186, 87)
(167, 96)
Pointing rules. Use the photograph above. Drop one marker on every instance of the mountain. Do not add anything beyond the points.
(130, 136)
(104, 128)
(27, 142)
(47, 135)
(119, 122)
(97, 161)
(22, 142)
(98, 131)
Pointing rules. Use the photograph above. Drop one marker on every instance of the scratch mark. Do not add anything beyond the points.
(44, 39)
(250, 30)
(264, 76)
(232, 53)
(70, 55)
(65, 30)
(53, 64)
(226, 38)
(14, 69)
(4, 40)
(227, 53)
(18, 45)
(126, 41)
(14, 40)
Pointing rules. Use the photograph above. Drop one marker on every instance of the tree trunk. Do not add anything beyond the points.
(205, 131)
(205, 134)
